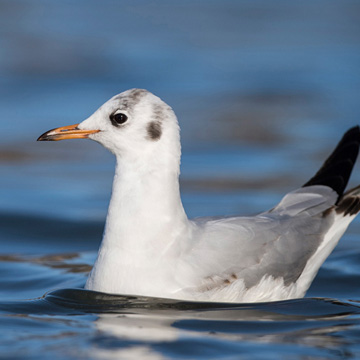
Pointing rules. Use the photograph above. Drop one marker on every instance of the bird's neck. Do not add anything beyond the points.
(145, 211)
(145, 226)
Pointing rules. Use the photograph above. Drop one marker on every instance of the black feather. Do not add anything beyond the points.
(337, 169)
(349, 205)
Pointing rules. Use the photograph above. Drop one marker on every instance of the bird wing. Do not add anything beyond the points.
(276, 243)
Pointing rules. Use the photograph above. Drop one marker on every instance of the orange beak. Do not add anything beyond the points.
(66, 132)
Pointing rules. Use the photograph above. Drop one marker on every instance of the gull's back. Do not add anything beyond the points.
(274, 255)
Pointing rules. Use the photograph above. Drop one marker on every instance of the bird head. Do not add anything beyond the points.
(134, 123)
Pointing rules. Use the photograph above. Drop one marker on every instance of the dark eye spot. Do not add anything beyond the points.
(154, 130)
(118, 119)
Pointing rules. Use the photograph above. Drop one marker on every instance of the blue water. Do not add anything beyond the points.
(263, 91)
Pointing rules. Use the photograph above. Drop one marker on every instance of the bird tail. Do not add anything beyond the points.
(336, 171)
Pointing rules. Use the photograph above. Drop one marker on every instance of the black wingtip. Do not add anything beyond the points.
(337, 169)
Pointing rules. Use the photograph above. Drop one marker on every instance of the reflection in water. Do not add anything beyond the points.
(133, 331)
(158, 323)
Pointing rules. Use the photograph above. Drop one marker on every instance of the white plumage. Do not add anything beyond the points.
(151, 248)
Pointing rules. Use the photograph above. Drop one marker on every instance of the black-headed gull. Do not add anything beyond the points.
(151, 248)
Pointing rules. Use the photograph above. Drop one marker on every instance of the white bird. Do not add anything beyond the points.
(151, 248)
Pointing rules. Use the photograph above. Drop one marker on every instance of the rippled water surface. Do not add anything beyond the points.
(263, 91)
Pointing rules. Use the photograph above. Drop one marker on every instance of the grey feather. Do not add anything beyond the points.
(276, 243)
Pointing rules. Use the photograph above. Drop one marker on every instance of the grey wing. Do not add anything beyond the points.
(277, 243)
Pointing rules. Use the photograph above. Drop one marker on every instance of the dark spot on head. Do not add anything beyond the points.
(154, 130)
(227, 282)
(234, 276)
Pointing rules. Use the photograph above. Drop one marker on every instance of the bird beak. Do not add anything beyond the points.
(66, 132)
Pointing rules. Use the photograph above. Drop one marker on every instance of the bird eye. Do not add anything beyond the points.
(118, 119)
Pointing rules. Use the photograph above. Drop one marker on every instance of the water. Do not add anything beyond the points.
(263, 91)
(131, 327)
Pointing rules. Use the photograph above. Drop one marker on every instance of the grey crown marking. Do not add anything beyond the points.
(132, 98)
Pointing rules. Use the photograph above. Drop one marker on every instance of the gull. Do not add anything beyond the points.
(151, 248)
